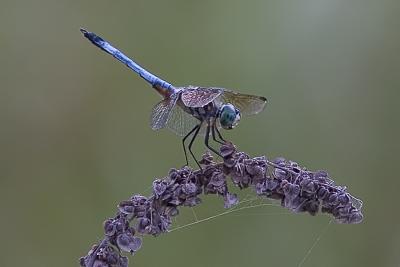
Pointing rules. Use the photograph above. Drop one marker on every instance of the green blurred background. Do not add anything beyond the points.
(75, 139)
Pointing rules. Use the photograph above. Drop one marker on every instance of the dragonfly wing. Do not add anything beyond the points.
(161, 112)
(181, 122)
(197, 97)
(247, 104)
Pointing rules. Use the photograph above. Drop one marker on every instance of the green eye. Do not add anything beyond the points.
(229, 116)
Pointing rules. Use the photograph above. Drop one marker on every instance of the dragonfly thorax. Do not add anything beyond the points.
(229, 116)
(209, 111)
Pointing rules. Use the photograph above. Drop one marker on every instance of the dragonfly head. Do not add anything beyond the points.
(229, 116)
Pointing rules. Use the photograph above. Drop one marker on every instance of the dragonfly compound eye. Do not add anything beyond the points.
(229, 116)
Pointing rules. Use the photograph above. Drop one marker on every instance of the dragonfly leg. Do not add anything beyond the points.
(213, 127)
(220, 135)
(197, 129)
(183, 143)
(206, 141)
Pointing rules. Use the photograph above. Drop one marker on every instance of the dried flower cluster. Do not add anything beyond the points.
(298, 189)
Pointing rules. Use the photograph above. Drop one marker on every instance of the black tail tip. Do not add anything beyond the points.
(85, 32)
(91, 36)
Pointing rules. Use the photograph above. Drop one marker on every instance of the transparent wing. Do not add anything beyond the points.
(181, 122)
(196, 97)
(203, 129)
(161, 112)
(247, 104)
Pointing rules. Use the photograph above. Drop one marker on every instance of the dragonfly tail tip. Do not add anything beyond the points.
(83, 31)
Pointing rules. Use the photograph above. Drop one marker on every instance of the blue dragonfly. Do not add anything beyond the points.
(190, 110)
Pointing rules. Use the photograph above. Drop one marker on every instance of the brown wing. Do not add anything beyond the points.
(197, 97)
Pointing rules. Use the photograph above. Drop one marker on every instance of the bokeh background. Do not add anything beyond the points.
(75, 140)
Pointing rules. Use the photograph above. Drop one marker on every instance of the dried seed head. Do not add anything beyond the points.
(295, 187)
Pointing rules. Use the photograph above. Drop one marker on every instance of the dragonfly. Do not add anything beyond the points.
(189, 111)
